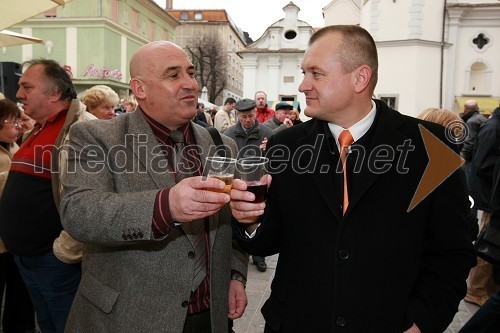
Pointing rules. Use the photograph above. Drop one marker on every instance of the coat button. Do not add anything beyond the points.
(344, 254)
(185, 304)
(341, 321)
(191, 255)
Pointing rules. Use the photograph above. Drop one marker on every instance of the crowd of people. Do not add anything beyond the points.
(108, 222)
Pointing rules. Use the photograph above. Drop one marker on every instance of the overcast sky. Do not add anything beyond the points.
(256, 15)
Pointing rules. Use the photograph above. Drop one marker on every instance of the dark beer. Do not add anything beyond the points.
(259, 190)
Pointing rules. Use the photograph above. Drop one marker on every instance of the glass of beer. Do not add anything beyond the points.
(253, 171)
(221, 168)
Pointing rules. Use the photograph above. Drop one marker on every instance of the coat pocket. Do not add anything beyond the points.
(98, 293)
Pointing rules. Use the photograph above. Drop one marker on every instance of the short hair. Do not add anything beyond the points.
(229, 100)
(296, 113)
(131, 100)
(261, 92)
(58, 76)
(358, 48)
(8, 109)
(94, 96)
(444, 117)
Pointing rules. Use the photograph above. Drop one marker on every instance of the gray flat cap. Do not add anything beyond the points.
(245, 104)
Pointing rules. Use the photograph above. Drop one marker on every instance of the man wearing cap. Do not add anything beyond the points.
(281, 119)
(264, 112)
(251, 139)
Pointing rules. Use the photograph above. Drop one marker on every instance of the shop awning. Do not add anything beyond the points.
(296, 104)
(486, 104)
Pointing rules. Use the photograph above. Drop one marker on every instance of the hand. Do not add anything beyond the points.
(413, 329)
(237, 300)
(242, 206)
(288, 122)
(263, 144)
(190, 200)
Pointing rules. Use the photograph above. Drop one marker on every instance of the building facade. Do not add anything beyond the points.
(436, 53)
(195, 25)
(94, 40)
(272, 63)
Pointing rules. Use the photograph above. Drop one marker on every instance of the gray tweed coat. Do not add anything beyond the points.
(132, 282)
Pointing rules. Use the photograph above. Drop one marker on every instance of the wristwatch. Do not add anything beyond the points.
(237, 276)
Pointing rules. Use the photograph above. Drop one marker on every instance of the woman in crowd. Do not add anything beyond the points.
(18, 313)
(101, 101)
(295, 117)
(130, 104)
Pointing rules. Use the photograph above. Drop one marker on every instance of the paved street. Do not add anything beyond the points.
(259, 288)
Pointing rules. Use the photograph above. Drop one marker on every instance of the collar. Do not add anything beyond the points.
(248, 131)
(52, 119)
(162, 133)
(358, 129)
(265, 109)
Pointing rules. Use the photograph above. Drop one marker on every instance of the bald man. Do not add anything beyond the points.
(138, 212)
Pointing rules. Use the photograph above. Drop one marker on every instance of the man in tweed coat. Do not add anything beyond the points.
(124, 198)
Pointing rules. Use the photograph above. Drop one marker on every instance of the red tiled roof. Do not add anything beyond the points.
(210, 15)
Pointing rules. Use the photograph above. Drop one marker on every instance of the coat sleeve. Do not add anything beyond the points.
(91, 210)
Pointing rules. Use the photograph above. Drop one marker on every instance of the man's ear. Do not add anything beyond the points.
(137, 87)
(362, 76)
(54, 96)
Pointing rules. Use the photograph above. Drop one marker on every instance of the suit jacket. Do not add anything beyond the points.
(132, 282)
(378, 268)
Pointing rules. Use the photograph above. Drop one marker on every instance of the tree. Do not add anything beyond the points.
(208, 55)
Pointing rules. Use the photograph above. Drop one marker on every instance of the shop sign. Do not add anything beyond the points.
(102, 72)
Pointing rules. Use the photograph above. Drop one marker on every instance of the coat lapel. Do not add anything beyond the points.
(141, 139)
(324, 181)
(386, 134)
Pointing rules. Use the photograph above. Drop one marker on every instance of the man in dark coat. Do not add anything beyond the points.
(486, 153)
(375, 263)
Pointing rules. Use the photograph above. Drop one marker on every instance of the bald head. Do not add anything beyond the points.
(164, 84)
(143, 58)
(470, 105)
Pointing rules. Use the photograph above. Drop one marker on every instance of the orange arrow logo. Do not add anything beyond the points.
(443, 161)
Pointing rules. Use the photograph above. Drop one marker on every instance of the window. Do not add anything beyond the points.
(290, 34)
(184, 16)
(51, 12)
(480, 42)
(197, 16)
(390, 99)
(135, 22)
(114, 10)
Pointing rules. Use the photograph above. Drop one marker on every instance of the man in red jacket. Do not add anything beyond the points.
(264, 112)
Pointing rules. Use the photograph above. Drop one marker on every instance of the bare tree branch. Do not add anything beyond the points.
(208, 55)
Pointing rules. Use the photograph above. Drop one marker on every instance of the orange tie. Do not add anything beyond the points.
(345, 140)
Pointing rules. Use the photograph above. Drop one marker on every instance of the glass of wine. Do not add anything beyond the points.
(253, 171)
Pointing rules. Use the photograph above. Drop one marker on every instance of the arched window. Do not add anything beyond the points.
(478, 79)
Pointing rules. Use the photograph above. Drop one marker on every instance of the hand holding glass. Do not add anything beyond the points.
(221, 168)
(253, 171)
